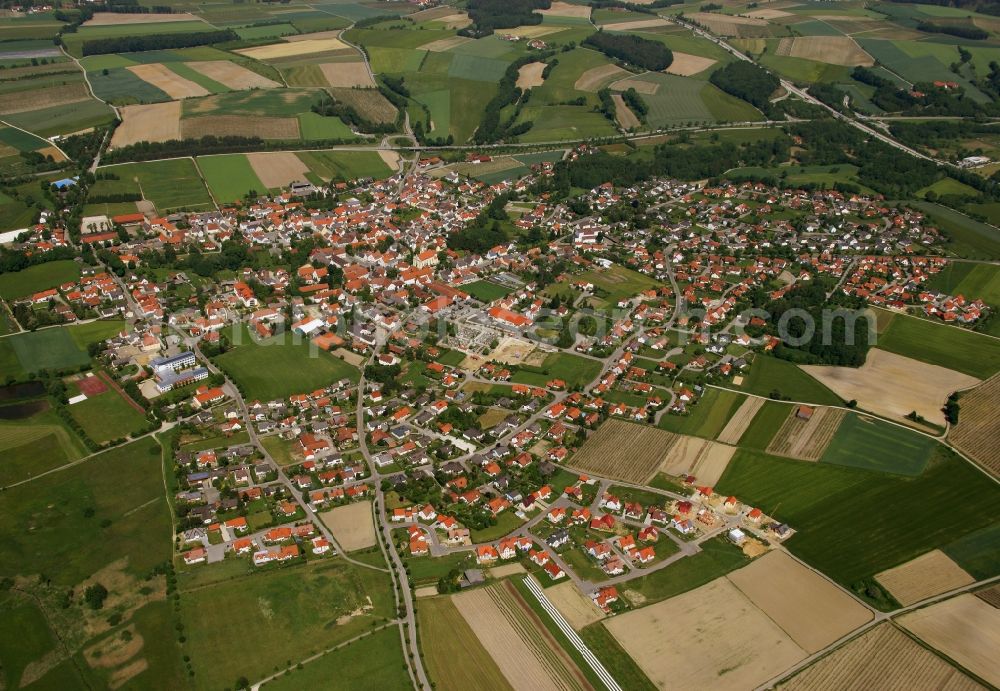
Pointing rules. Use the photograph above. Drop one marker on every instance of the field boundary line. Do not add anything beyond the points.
(574, 638)
(38, 136)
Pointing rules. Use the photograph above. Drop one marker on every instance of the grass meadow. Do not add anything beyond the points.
(170, 185)
(871, 444)
(938, 344)
(230, 177)
(34, 279)
(770, 374)
(708, 418)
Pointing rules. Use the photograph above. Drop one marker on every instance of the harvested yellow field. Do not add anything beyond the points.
(808, 607)
(564, 9)
(636, 24)
(117, 19)
(168, 81)
(836, 50)
(883, 658)
(34, 99)
(806, 440)
(290, 49)
(643, 87)
(244, 125)
(332, 33)
(57, 155)
(623, 114)
(624, 451)
(526, 653)
(347, 74)
(278, 169)
(530, 75)
(768, 14)
(596, 78)
(964, 628)
(740, 421)
(894, 385)
(443, 44)
(234, 76)
(704, 459)
(391, 158)
(578, 609)
(458, 20)
(536, 31)
(928, 575)
(157, 122)
(709, 638)
(722, 24)
(432, 14)
(977, 432)
(351, 525)
(686, 65)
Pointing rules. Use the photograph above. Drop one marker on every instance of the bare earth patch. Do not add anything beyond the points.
(927, 575)
(234, 76)
(806, 440)
(768, 14)
(623, 114)
(443, 44)
(964, 628)
(577, 609)
(512, 351)
(836, 50)
(596, 78)
(391, 158)
(351, 525)
(738, 423)
(114, 650)
(289, 49)
(884, 658)
(704, 459)
(565, 9)
(123, 674)
(686, 65)
(156, 122)
(709, 638)
(977, 433)
(278, 169)
(117, 19)
(893, 385)
(244, 125)
(168, 81)
(530, 75)
(643, 87)
(637, 24)
(809, 608)
(52, 151)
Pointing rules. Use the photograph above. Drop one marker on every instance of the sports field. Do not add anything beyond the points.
(831, 506)
(281, 366)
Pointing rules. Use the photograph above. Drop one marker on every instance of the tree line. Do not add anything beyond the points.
(489, 15)
(135, 44)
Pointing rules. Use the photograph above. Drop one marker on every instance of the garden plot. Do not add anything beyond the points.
(687, 65)
(157, 122)
(530, 75)
(977, 432)
(168, 81)
(893, 385)
(709, 638)
(291, 49)
(964, 628)
(231, 75)
(740, 421)
(927, 575)
(576, 608)
(804, 439)
(519, 643)
(704, 459)
(596, 78)
(624, 451)
(722, 24)
(278, 169)
(834, 50)
(351, 525)
(808, 607)
(347, 74)
(882, 658)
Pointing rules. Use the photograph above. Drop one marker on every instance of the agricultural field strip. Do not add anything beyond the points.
(807, 439)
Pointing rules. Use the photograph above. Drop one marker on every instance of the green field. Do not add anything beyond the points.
(967, 238)
(230, 177)
(170, 185)
(972, 281)
(978, 552)
(107, 416)
(32, 445)
(51, 349)
(316, 127)
(563, 123)
(48, 122)
(278, 615)
(939, 344)
(281, 366)
(484, 291)
(446, 637)
(684, 100)
(770, 374)
(376, 661)
(345, 165)
(24, 637)
(717, 558)
(765, 425)
(871, 444)
(266, 31)
(801, 70)
(74, 41)
(572, 369)
(708, 417)
(34, 279)
(854, 523)
(611, 285)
